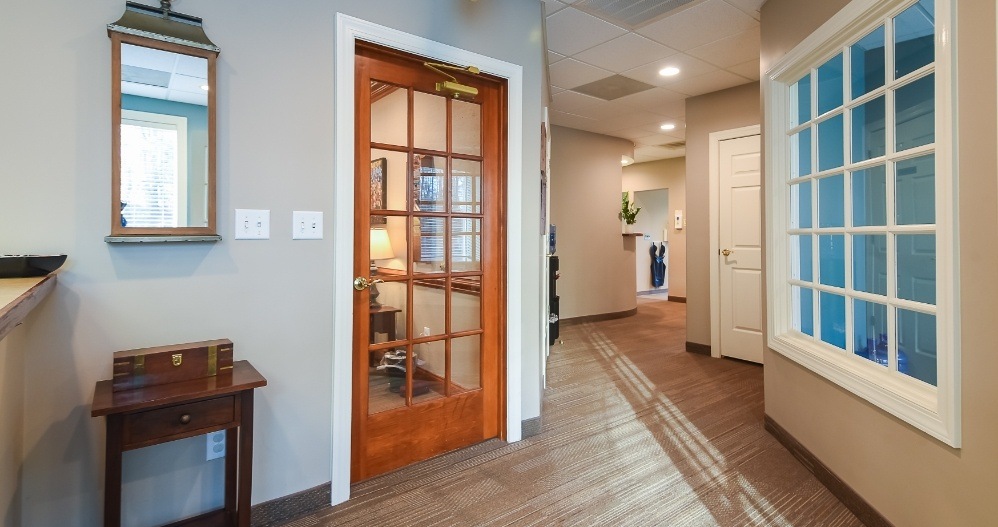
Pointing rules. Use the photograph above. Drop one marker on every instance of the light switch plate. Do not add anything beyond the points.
(306, 225)
(252, 224)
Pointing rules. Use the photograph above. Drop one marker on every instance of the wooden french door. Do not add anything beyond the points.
(429, 305)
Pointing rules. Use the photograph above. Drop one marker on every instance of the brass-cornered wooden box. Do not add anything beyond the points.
(166, 364)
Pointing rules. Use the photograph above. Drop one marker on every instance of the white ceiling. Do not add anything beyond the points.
(159, 74)
(714, 43)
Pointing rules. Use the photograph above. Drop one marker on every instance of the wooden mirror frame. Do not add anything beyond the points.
(118, 232)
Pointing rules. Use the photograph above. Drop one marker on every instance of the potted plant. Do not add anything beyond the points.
(628, 213)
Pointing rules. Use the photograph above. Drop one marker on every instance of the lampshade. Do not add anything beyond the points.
(381, 245)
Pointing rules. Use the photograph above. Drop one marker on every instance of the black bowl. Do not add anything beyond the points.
(26, 265)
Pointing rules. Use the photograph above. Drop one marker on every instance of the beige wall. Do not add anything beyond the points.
(11, 426)
(273, 298)
(597, 263)
(669, 174)
(909, 477)
(714, 112)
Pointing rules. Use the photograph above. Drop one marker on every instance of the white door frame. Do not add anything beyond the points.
(714, 175)
(348, 31)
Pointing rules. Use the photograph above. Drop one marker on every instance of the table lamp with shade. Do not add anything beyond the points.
(381, 249)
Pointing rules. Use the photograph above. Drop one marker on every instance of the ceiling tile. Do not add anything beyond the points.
(554, 57)
(750, 7)
(699, 25)
(552, 6)
(632, 133)
(688, 67)
(656, 140)
(624, 53)
(658, 100)
(679, 134)
(618, 117)
(570, 120)
(572, 102)
(729, 51)
(654, 153)
(570, 31)
(748, 69)
(711, 82)
(655, 128)
(570, 73)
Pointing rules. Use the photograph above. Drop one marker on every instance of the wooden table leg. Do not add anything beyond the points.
(112, 472)
(245, 458)
(231, 471)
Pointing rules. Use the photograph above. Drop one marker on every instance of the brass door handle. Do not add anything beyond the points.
(360, 283)
(727, 252)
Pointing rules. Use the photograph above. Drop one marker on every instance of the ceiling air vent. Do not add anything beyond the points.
(613, 87)
(630, 14)
(674, 145)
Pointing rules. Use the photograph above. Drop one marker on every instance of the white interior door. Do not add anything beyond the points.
(740, 240)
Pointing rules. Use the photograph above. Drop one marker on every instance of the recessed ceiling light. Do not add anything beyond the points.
(668, 126)
(204, 87)
(669, 71)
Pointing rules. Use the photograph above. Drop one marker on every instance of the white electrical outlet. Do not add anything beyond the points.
(306, 225)
(216, 445)
(252, 224)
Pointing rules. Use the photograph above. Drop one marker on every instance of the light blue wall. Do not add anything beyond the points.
(275, 151)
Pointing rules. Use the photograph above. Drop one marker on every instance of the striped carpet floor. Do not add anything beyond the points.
(636, 432)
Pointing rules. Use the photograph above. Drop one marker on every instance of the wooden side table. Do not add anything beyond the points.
(383, 321)
(157, 414)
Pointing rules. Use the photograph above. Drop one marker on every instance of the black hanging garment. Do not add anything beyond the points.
(657, 265)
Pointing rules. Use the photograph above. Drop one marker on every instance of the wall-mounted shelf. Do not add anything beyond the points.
(162, 239)
(18, 296)
(635, 234)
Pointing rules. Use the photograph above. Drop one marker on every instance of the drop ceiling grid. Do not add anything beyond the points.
(714, 42)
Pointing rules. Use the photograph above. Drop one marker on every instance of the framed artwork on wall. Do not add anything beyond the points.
(379, 182)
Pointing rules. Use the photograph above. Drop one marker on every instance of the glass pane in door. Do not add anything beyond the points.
(387, 254)
(386, 380)
(388, 180)
(466, 186)
(466, 128)
(428, 235)
(429, 114)
(466, 244)
(429, 371)
(466, 364)
(389, 114)
(388, 312)
(429, 314)
(466, 304)
(429, 183)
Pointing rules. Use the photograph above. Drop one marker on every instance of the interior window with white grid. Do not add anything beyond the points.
(862, 225)
(862, 244)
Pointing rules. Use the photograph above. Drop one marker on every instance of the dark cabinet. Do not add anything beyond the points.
(554, 313)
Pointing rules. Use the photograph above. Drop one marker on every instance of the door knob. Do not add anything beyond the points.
(360, 283)
(727, 252)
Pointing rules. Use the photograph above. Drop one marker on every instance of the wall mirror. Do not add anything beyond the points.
(163, 127)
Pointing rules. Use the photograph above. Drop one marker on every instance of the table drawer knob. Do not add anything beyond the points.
(184, 419)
